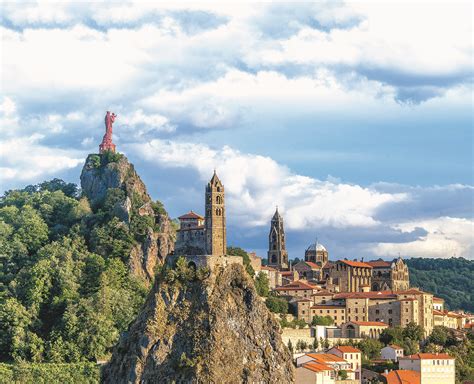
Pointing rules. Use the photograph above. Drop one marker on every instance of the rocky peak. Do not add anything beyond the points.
(111, 183)
(204, 329)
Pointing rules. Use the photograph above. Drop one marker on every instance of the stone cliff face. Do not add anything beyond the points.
(106, 173)
(209, 330)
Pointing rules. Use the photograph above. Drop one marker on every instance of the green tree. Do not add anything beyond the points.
(262, 284)
(370, 348)
(290, 346)
(439, 335)
(236, 251)
(392, 335)
(315, 344)
(276, 304)
(342, 374)
(413, 331)
(322, 320)
(410, 346)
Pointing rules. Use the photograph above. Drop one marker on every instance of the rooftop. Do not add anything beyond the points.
(359, 264)
(296, 285)
(428, 356)
(402, 377)
(347, 349)
(190, 215)
(316, 247)
(316, 366)
(370, 323)
(326, 357)
(379, 263)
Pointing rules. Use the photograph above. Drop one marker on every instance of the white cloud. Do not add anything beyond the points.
(447, 237)
(25, 159)
(255, 184)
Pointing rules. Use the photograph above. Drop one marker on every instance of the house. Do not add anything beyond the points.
(401, 377)
(434, 368)
(329, 359)
(315, 373)
(391, 352)
(273, 275)
(308, 270)
(297, 289)
(352, 355)
(362, 329)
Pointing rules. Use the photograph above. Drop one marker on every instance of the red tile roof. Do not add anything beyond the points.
(190, 215)
(326, 357)
(359, 264)
(267, 268)
(370, 323)
(296, 285)
(313, 265)
(316, 366)
(428, 356)
(347, 349)
(366, 295)
(402, 377)
(395, 346)
(379, 264)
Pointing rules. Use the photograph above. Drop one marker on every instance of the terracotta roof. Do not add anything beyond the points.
(329, 264)
(469, 325)
(394, 346)
(267, 268)
(286, 273)
(379, 264)
(313, 265)
(428, 356)
(369, 323)
(323, 306)
(438, 299)
(190, 215)
(355, 263)
(402, 377)
(412, 291)
(326, 357)
(347, 349)
(316, 366)
(296, 285)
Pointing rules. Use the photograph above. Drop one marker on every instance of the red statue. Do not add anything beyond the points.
(107, 144)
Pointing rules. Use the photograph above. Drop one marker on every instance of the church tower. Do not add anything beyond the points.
(215, 218)
(277, 254)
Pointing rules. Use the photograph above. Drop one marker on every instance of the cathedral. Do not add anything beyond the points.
(277, 254)
(198, 235)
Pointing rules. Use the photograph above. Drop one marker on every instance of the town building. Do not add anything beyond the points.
(352, 355)
(438, 303)
(315, 373)
(277, 254)
(273, 275)
(362, 329)
(351, 276)
(316, 253)
(308, 270)
(298, 289)
(391, 352)
(434, 368)
(389, 275)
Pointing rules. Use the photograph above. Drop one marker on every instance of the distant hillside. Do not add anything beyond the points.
(451, 279)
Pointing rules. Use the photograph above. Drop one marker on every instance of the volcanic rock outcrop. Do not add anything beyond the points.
(202, 328)
(110, 182)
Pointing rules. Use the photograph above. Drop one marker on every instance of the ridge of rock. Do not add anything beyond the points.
(108, 173)
(209, 330)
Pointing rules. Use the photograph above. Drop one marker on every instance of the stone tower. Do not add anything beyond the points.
(277, 254)
(215, 218)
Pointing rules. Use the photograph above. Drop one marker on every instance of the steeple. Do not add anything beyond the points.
(277, 254)
(215, 217)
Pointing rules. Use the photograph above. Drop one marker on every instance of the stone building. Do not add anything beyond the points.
(215, 217)
(434, 368)
(190, 238)
(316, 253)
(277, 254)
(389, 275)
(308, 270)
(351, 276)
(362, 329)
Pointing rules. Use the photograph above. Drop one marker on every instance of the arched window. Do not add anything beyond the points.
(218, 199)
(218, 188)
(218, 212)
(274, 259)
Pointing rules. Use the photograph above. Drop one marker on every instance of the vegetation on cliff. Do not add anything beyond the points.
(451, 279)
(198, 326)
(68, 287)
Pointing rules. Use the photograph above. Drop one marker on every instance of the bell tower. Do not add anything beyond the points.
(277, 254)
(215, 218)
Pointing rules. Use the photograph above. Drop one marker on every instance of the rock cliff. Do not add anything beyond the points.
(111, 184)
(202, 328)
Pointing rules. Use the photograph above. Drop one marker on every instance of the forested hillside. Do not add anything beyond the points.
(451, 279)
(67, 286)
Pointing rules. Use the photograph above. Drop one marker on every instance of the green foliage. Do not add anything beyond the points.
(315, 343)
(439, 335)
(450, 279)
(290, 346)
(66, 292)
(110, 157)
(49, 373)
(262, 284)
(413, 331)
(370, 348)
(392, 335)
(301, 345)
(236, 251)
(277, 305)
(342, 374)
(95, 161)
(322, 320)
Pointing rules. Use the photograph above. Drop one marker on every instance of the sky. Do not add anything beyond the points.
(355, 119)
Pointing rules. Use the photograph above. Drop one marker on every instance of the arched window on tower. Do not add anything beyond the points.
(218, 188)
(218, 212)
(218, 199)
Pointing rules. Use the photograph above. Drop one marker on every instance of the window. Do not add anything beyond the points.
(357, 318)
(377, 311)
(356, 310)
(335, 317)
(390, 311)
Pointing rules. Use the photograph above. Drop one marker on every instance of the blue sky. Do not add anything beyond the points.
(356, 119)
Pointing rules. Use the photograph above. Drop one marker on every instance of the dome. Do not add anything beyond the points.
(316, 247)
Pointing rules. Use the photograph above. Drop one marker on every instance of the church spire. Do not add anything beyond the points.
(277, 254)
